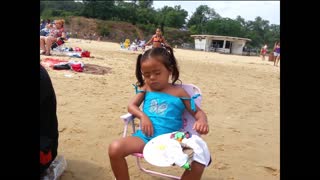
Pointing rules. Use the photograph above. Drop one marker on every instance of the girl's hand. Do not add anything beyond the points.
(201, 126)
(146, 126)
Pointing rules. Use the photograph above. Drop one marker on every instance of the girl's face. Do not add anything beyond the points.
(155, 74)
(158, 32)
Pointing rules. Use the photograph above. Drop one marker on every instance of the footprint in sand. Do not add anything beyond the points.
(77, 131)
(62, 129)
(237, 131)
(100, 58)
(221, 166)
(272, 170)
(220, 147)
(234, 130)
(63, 104)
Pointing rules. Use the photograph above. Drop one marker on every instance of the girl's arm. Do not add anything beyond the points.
(133, 108)
(201, 124)
(63, 35)
(134, 105)
(275, 45)
(149, 41)
(165, 41)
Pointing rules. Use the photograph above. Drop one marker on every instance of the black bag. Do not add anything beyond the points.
(62, 66)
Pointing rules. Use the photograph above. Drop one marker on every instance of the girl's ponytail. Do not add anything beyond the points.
(140, 81)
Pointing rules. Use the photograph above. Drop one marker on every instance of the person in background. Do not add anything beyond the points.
(54, 35)
(263, 52)
(43, 24)
(276, 53)
(45, 31)
(157, 40)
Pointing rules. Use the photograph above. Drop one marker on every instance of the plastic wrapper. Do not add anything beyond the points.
(55, 170)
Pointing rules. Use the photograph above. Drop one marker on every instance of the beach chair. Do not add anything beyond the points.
(60, 45)
(188, 122)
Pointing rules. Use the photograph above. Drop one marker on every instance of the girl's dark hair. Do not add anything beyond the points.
(163, 54)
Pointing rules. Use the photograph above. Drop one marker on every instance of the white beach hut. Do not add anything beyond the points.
(223, 44)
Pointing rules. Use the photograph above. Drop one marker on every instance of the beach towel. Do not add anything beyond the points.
(50, 62)
(57, 64)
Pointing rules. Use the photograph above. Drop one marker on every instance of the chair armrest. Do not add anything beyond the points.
(127, 117)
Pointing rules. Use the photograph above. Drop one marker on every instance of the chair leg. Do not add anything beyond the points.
(154, 172)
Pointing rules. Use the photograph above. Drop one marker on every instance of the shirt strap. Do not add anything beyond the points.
(192, 103)
(137, 90)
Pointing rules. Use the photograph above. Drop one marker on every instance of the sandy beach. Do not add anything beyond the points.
(241, 96)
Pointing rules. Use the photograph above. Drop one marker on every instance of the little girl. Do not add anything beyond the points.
(157, 40)
(163, 105)
(263, 51)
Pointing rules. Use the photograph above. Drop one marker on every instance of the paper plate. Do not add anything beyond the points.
(158, 151)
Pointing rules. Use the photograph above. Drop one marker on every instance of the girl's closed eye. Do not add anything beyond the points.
(146, 75)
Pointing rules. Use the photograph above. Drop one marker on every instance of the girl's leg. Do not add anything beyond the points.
(49, 41)
(195, 173)
(118, 150)
(42, 41)
(278, 59)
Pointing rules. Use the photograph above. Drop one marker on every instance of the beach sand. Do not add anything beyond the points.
(241, 96)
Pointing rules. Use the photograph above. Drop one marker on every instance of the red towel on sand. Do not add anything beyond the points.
(50, 62)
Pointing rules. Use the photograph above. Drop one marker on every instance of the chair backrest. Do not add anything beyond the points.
(188, 119)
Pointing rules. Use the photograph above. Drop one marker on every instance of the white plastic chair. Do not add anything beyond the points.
(188, 121)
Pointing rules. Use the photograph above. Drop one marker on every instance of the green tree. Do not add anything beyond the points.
(61, 8)
(258, 31)
(145, 3)
(176, 17)
(98, 9)
(172, 16)
(225, 27)
(200, 17)
(272, 35)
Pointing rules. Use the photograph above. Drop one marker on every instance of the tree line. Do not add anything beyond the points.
(204, 20)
